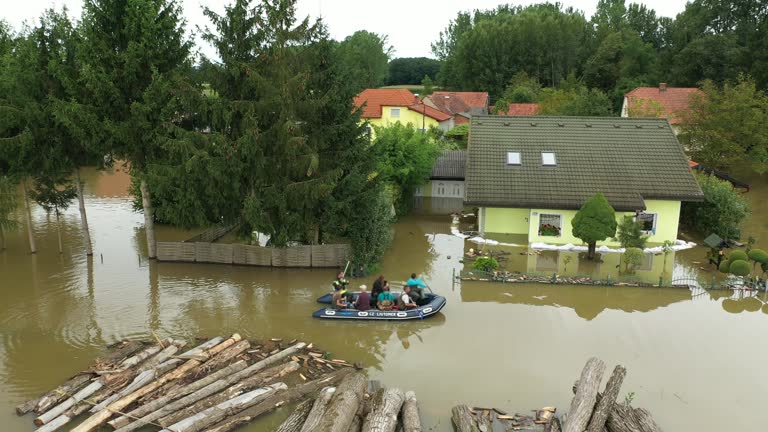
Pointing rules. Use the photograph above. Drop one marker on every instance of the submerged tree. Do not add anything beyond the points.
(630, 234)
(54, 193)
(594, 222)
(8, 205)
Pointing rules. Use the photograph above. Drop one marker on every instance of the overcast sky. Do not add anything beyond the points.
(410, 24)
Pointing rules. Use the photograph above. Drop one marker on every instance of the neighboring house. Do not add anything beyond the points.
(662, 101)
(383, 107)
(520, 109)
(459, 105)
(530, 175)
(447, 177)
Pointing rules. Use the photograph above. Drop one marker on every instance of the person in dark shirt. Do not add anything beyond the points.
(363, 302)
(405, 301)
(378, 288)
(340, 283)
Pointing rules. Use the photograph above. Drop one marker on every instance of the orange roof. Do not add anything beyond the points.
(521, 109)
(459, 102)
(373, 99)
(672, 100)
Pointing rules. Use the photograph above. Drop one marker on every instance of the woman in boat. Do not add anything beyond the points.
(385, 300)
(363, 302)
(378, 288)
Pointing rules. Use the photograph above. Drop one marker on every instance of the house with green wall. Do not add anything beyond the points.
(528, 176)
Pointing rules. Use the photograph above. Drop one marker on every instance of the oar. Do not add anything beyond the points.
(345, 268)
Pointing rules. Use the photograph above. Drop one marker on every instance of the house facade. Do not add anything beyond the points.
(384, 107)
(671, 103)
(459, 105)
(447, 177)
(528, 176)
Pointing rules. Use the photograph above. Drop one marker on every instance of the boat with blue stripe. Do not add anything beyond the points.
(431, 305)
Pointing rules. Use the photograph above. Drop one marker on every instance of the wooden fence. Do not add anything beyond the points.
(212, 234)
(317, 256)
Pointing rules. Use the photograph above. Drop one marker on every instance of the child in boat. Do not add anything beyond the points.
(385, 300)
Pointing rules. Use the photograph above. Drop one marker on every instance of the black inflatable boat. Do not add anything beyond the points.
(432, 305)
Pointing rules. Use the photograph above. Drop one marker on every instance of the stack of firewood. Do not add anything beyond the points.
(590, 410)
(217, 386)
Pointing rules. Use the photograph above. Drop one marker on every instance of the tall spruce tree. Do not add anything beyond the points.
(127, 46)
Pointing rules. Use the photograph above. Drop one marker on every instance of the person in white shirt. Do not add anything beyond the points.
(405, 302)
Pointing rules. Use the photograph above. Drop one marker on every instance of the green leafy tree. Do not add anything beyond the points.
(8, 205)
(486, 263)
(366, 56)
(594, 222)
(758, 256)
(629, 233)
(412, 70)
(54, 193)
(521, 89)
(739, 268)
(726, 126)
(407, 159)
(428, 85)
(632, 258)
(574, 99)
(721, 212)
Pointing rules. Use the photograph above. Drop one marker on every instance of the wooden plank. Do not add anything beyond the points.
(258, 256)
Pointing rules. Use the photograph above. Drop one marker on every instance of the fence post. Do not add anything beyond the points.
(554, 277)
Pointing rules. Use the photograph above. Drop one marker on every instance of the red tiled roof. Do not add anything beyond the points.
(673, 100)
(521, 109)
(458, 102)
(373, 99)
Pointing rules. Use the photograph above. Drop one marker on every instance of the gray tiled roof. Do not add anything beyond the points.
(627, 159)
(450, 165)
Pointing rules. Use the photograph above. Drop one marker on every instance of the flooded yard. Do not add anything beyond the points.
(695, 358)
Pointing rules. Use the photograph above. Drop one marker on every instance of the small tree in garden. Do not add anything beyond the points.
(721, 212)
(758, 256)
(486, 264)
(594, 222)
(739, 268)
(630, 233)
(632, 258)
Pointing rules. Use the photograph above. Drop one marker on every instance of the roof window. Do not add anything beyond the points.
(548, 159)
(513, 158)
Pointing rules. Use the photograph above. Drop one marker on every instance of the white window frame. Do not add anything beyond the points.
(514, 158)
(655, 221)
(394, 112)
(545, 156)
(538, 228)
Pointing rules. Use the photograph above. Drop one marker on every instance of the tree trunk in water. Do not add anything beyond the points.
(411, 419)
(83, 215)
(463, 420)
(149, 221)
(2, 239)
(343, 406)
(58, 232)
(586, 396)
(28, 215)
(318, 409)
(624, 418)
(384, 410)
(295, 421)
(606, 402)
(591, 250)
(289, 396)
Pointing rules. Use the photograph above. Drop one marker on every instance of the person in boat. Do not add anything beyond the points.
(363, 302)
(340, 282)
(417, 287)
(378, 288)
(339, 299)
(385, 300)
(405, 301)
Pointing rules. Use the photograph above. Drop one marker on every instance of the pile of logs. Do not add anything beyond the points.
(218, 386)
(590, 411)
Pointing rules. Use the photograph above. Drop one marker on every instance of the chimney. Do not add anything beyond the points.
(662, 87)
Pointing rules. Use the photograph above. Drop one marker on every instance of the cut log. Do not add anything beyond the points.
(624, 418)
(121, 351)
(180, 392)
(68, 403)
(250, 383)
(56, 395)
(202, 420)
(199, 350)
(343, 405)
(318, 409)
(586, 396)
(411, 418)
(222, 358)
(605, 405)
(142, 379)
(484, 422)
(283, 398)
(117, 406)
(385, 407)
(463, 420)
(212, 388)
(140, 357)
(296, 420)
(75, 411)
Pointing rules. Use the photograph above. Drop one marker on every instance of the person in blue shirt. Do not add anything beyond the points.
(417, 288)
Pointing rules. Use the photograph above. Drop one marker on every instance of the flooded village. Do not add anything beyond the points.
(294, 229)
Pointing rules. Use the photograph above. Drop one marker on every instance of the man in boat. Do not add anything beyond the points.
(339, 299)
(405, 301)
(385, 300)
(417, 287)
(340, 282)
(363, 302)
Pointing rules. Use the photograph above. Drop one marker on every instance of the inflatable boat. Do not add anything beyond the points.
(432, 305)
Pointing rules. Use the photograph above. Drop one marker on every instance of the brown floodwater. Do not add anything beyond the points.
(696, 359)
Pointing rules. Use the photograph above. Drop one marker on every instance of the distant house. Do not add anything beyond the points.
(459, 105)
(520, 109)
(529, 175)
(383, 107)
(447, 177)
(662, 101)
